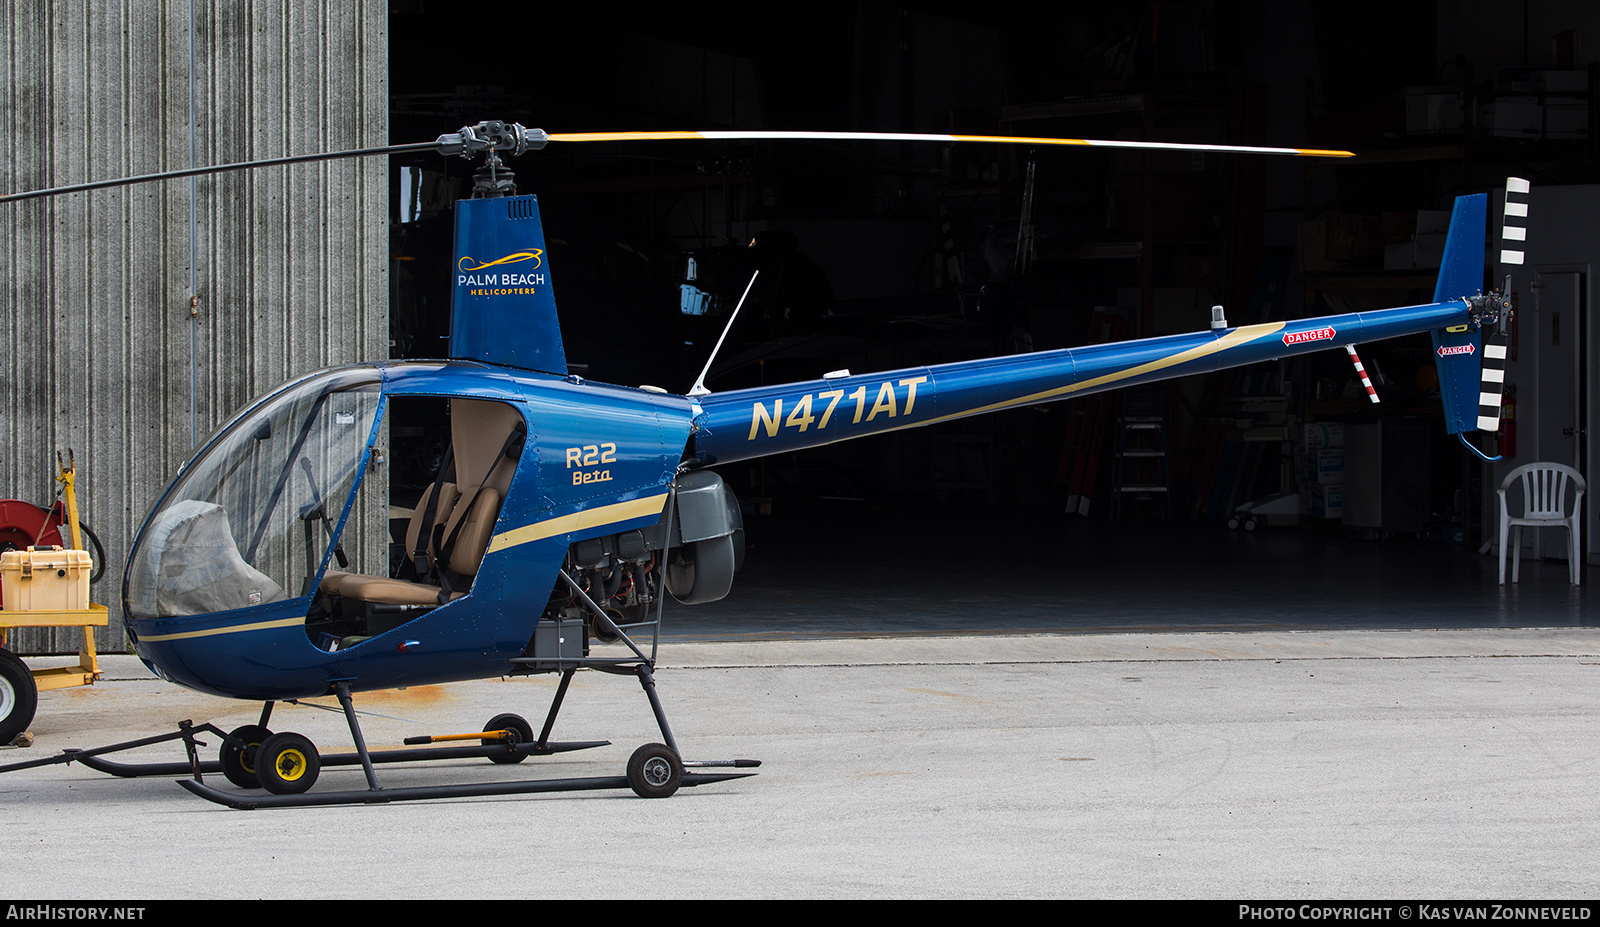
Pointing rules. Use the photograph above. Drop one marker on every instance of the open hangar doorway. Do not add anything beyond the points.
(886, 255)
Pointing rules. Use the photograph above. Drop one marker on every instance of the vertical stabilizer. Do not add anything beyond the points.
(502, 306)
(1461, 271)
(1458, 350)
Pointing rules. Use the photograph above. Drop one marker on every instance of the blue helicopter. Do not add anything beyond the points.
(566, 511)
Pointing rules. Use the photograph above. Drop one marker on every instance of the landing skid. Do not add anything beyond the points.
(243, 802)
(214, 767)
(288, 764)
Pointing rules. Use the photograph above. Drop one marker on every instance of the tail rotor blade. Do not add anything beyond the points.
(1514, 223)
(1513, 236)
(1494, 381)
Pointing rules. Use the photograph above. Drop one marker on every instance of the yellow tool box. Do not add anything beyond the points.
(45, 579)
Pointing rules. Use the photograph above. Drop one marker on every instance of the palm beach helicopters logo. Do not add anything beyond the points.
(503, 283)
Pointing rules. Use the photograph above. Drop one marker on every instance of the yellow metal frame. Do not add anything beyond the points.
(61, 677)
(95, 616)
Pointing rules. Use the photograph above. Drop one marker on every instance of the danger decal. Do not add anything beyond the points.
(1315, 334)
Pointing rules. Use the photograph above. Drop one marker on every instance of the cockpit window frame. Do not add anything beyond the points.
(191, 483)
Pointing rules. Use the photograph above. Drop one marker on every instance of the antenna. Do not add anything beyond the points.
(699, 387)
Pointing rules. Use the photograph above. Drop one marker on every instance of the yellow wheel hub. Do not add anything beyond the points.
(291, 765)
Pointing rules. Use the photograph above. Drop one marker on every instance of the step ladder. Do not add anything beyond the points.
(1088, 420)
(1143, 466)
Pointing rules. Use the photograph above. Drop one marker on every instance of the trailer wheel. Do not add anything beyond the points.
(514, 723)
(654, 771)
(18, 697)
(239, 764)
(287, 764)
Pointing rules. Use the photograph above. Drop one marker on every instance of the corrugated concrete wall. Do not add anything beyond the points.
(108, 350)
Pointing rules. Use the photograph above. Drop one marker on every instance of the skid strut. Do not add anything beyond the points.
(653, 776)
(644, 783)
(651, 771)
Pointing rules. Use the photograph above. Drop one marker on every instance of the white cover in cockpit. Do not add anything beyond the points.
(192, 566)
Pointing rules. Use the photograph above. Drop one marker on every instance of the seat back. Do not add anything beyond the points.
(485, 460)
(479, 428)
(448, 496)
(1544, 489)
(472, 525)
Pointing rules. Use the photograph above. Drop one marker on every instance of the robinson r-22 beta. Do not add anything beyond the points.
(567, 509)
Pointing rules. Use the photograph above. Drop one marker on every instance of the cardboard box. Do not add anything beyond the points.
(1317, 435)
(1538, 80)
(1324, 467)
(1400, 255)
(1352, 236)
(1314, 247)
(1429, 251)
(1326, 500)
(45, 579)
(1566, 120)
(1432, 110)
(1511, 117)
(1433, 221)
(1422, 243)
(1563, 81)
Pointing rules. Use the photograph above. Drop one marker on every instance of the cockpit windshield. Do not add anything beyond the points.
(250, 520)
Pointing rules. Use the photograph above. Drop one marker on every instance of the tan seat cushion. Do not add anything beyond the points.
(476, 525)
(383, 591)
(340, 583)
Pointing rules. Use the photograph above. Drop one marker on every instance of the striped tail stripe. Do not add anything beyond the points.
(1514, 227)
(1361, 372)
(1494, 381)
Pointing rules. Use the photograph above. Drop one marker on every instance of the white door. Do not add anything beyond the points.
(1560, 324)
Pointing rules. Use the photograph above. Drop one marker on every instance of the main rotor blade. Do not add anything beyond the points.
(219, 168)
(514, 138)
(741, 135)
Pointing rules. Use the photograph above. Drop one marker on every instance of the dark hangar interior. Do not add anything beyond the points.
(881, 255)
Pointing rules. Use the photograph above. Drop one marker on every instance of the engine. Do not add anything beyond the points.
(692, 553)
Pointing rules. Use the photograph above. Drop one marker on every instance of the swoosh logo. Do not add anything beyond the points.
(466, 266)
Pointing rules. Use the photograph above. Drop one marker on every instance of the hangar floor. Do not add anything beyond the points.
(844, 569)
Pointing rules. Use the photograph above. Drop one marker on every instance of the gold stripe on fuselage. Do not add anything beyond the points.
(228, 629)
(578, 521)
(1242, 335)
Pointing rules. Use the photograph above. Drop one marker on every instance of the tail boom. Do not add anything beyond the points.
(748, 423)
(1468, 330)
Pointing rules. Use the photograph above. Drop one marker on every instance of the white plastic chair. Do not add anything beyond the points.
(1544, 505)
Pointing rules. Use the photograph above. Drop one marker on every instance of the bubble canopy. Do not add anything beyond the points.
(249, 520)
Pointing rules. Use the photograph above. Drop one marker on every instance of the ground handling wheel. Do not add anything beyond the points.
(509, 722)
(287, 764)
(239, 763)
(19, 698)
(654, 771)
